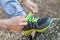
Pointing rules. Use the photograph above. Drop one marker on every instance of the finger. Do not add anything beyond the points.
(21, 28)
(23, 24)
(31, 8)
(22, 20)
(18, 17)
(35, 7)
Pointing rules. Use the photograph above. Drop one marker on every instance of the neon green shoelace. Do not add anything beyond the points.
(31, 18)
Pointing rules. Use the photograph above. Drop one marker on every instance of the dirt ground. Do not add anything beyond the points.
(47, 8)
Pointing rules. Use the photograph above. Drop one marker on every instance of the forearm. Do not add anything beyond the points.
(7, 24)
(4, 24)
(10, 24)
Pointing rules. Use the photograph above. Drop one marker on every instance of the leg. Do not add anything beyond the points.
(12, 8)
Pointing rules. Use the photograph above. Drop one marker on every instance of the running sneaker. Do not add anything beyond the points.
(36, 24)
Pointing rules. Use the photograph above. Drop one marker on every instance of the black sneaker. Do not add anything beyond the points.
(36, 24)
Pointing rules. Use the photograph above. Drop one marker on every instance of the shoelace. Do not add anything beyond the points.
(31, 18)
(35, 23)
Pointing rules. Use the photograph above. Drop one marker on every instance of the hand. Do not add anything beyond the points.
(32, 6)
(15, 24)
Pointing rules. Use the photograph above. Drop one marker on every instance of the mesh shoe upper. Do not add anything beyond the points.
(36, 23)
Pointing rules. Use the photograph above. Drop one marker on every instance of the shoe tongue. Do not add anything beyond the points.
(31, 18)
